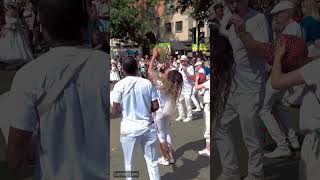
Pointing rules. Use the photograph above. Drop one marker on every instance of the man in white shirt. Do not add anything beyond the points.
(246, 92)
(137, 98)
(282, 13)
(74, 132)
(194, 97)
(187, 72)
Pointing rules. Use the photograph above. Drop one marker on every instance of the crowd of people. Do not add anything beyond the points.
(270, 56)
(21, 38)
(148, 93)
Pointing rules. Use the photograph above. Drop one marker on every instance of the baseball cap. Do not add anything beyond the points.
(282, 5)
(199, 63)
(183, 58)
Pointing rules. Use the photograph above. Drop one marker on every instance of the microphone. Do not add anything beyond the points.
(230, 23)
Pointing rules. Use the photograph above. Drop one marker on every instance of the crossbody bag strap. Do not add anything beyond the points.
(315, 93)
(48, 98)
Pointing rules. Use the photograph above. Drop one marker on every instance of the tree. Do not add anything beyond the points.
(198, 10)
(129, 20)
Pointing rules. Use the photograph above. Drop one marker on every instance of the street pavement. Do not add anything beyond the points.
(187, 140)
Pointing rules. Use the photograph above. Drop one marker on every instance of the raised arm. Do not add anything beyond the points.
(151, 72)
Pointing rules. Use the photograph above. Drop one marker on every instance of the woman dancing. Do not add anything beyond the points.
(169, 85)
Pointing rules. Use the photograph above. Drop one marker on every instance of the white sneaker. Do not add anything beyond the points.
(204, 152)
(196, 110)
(295, 144)
(163, 161)
(253, 177)
(179, 118)
(188, 119)
(278, 153)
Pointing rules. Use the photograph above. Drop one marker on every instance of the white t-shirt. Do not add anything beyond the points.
(310, 108)
(136, 104)
(249, 73)
(201, 70)
(187, 83)
(206, 97)
(114, 75)
(71, 129)
(294, 29)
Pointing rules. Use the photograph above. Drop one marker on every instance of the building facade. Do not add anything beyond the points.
(172, 26)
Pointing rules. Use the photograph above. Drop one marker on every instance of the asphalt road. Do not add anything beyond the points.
(187, 139)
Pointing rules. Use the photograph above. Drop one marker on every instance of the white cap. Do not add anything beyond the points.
(199, 63)
(282, 5)
(183, 58)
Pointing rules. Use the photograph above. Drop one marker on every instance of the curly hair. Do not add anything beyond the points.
(173, 85)
(223, 65)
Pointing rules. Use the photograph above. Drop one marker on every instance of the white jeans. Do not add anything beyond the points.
(246, 107)
(186, 96)
(148, 143)
(207, 121)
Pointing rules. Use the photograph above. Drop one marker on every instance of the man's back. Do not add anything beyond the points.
(74, 133)
(136, 102)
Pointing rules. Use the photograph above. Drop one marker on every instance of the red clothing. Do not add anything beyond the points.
(297, 18)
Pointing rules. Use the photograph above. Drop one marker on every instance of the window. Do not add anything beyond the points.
(179, 26)
(168, 28)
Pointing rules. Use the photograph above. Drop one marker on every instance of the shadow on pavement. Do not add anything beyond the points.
(190, 168)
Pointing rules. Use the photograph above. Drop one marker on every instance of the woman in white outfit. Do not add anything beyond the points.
(169, 85)
(14, 46)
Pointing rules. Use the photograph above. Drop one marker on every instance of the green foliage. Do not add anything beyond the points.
(197, 9)
(129, 21)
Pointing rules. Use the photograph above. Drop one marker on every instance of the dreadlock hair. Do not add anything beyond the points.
(222, 62)
(173, 85)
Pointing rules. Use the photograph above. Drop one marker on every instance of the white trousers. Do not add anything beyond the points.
(163, 125)
(186, 97)
(273, 97)
(246, 107)
(195, 99)
(207, 121)
(148, 143)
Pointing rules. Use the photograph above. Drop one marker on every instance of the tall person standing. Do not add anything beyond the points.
(187, 72)
(59, 93)
(136, 98)
(245, 96)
